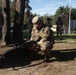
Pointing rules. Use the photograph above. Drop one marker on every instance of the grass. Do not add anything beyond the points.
(25, 34)
(67, 38)
(64, 36)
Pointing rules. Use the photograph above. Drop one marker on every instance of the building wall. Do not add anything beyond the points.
(73, 24)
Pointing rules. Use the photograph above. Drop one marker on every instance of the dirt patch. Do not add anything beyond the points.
(62, 62)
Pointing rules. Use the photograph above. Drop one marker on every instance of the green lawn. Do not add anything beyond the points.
(64, 36)
(25, 34)
(68, 36)
(71, 36)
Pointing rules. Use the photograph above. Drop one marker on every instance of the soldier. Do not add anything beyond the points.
(43, 36)
(48, 22)
(59, 24)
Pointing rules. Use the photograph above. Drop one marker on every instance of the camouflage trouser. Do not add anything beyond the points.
(59, 32)
(47, 54)
(44, 45)
(45, 48)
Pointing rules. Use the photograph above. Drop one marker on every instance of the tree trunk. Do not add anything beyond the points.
(6, 35)
(18, 21)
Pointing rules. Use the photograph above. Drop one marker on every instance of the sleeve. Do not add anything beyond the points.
(35, 35)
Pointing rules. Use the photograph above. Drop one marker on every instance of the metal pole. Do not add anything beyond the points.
(69, 17)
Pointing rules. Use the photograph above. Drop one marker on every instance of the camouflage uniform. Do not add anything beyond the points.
(59, 24)
(45, 41)
(48, 22)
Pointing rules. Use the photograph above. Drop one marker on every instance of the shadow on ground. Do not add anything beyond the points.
(64, 55)
(18, 58)
(22, 59)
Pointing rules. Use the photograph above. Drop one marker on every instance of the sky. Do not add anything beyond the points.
(42, 7)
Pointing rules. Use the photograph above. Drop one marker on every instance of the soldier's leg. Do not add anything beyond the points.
(60, 34)
(48, 48)
(47, 54)
(45, 48)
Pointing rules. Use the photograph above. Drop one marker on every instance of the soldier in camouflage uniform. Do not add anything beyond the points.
(59, 24)
(48, 22)
(43, 36)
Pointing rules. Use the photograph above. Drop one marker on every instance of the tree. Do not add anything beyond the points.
(73, 14)
(63, 13)
(28, 9)
(12, 10)
(0, 5)
(0, 12)
(18, 21)
(6, 36)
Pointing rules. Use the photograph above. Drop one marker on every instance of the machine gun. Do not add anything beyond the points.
(25, 47)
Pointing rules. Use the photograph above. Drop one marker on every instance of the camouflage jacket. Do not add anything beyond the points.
(44, 34)
(43, 37)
